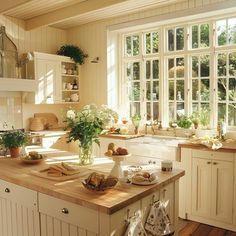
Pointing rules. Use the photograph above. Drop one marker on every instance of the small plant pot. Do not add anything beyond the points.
(15, 152)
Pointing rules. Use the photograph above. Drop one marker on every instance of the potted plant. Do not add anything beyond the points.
(14, 140)
(195, 118)
(184, 122)
(74, 52)
(85, 126)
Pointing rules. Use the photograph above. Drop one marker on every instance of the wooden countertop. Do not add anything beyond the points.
(14, 171)
(121, 136)
(227, 147)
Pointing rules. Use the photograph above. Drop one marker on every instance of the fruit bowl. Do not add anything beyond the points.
(29, 160)
(99, 183)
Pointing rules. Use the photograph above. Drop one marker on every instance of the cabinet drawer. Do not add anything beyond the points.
(223, 156)
(21, 195)
(69, 212)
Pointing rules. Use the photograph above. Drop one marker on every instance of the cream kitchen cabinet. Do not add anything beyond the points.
(19, 214)
(212, 176)
(52, 74)
(207, 191)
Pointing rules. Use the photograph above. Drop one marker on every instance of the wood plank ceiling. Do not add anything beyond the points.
(65, 14)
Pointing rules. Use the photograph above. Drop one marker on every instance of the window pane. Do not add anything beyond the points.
(205, 89)
(195, 107)
(221, 32)
(232, 31)
(155, 93)
(171, 111)
(134, 108)
(155, 42)
(204, 37)
(195, 36)
(171, 40)
(148, 111)
(148, 43)
(232, 114)
(148, 90)
(148, 70)
(222, 85)
(195, 66)
(128, 71)
(205, 71)
(195, 92)
(180, 39)
(180, 67)
(232, 64)
(232, 89)
(136, 71)
(221, 111)
(155, 111)
(171, 71)
(135, 91)
(128, 46)
(171, 90)
(135, 45)
(221, 66)
(180, 109)
(180, 90)
(155, 68)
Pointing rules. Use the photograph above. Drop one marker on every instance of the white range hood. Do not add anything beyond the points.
(17, 85)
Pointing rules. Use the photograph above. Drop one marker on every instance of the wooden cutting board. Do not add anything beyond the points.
(51, 119)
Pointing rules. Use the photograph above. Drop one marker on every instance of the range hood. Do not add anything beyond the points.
(10, 66)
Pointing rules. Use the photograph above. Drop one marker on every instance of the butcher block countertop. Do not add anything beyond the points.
(121, 136)
(227, 146)
(123, 194)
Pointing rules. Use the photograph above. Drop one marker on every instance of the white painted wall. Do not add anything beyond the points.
(92, 38)
(43, 39)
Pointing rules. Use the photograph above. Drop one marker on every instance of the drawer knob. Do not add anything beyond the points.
(65, 211)
(7, 190)
(208, 162)
(215, 163)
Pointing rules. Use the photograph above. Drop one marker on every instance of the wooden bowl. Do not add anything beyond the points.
(27, 160)
(94, 189)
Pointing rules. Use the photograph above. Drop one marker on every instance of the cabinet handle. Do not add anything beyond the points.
(7, 190)
(215, 163)
(65, 211)
(209, 162)
(164, 193)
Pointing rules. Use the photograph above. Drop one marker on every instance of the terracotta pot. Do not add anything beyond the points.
(15, 152)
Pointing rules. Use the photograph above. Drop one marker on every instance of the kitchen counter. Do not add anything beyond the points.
(227, 146)
(121, 136)
(14, 171)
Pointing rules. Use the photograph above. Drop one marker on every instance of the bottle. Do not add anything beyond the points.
(75, 86)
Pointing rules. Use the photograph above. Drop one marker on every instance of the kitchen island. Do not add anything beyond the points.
(31, 205)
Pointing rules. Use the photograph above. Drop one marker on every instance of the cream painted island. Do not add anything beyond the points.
(34, 206)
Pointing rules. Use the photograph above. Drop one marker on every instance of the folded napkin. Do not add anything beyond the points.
(207, 141)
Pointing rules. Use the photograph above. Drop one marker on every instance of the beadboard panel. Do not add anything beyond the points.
(92, 38)
(51, 226)
(43, 39)
(17, 220)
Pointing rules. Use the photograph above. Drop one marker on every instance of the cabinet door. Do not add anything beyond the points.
(201, 187)
(222, 191)
(18, 211)
(47, 74)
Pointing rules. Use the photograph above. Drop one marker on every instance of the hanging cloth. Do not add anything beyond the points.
(158, 222)
(135, 226)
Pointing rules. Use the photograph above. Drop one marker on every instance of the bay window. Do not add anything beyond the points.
(180, 69)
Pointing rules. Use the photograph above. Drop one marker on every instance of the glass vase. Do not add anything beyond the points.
(85, 154)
